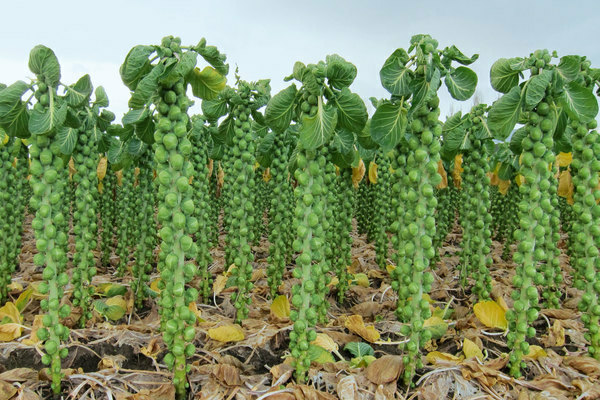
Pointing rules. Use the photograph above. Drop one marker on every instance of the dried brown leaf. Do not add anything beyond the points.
(347, 388)
(385, 369)
(584, 364)
(227, 374)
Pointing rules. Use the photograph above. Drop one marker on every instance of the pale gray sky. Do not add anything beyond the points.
(265, 38)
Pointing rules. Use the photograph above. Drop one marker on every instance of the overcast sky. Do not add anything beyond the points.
(265, 38)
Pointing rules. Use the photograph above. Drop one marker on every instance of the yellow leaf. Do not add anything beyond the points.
(101, 168)
(100, 187)
(355, 324)
(281, 307)
(227, 333)
(220, 176)
(389, 268)
(470, 349)
(442, 171)
(325, 341)
(334, 281)
(211, 165)
(37, 324)
(494, 178)
(72, 169)
(194, 308)
(23, 299)
(256, 165)
(436, 356)
(503, 186)
(519, 179)
(219, 284)
(362, 280)
(490, 314)
(372, 172)
(266, 175)
(535, 351)
(564, 159)
(458, 169)
(154, 285)
(117, 306)
(10, 331)
(358, 173)
(119, 174)
(437, 326)
(502, 303)
(36, 291)
(257, 274)
(565, 184)
(10, 311)
(152, 350)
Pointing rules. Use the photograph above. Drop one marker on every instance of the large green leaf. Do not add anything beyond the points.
(136, 65)
(461, 83)
(213, 57)
(317, 130)
(502, 77)
(568, 67)
(43, 122)
(67, 139)
(146, 87)
(343, 141)
(516, 140)
(135, 147)
(340, 73)
(424, 89)
(504, 113)
(10, 97)
(264, 153)
(186, 63)
(226, 131)
(395, 77)
(16, 121)
(455, 54)
(133, 117)
(214, 109)
(80, 92)
(579, 102)
(206, 84)
(388, 125)
(455, 121)
(144, 130)
(536, 88)
(352, 112)
(101, 97)
(280, 109)
(457, 139)
(364, 137)
(43, 63)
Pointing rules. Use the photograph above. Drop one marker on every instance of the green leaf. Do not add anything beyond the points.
(10, 97)
(213, 57)
(226, 131)
(144, 130)
(264, 155)
(317, 130)
(536, 88)
(72, 119)
(579, 102)
(502, 77)
(16, 121)
(206, 84)
(136, 65)
(424, 89)
(115, 151)
(43, 63)
(395, 77)
(364, 137)
(214, 109)
(319, 355)
(133, 117)
(101, 97)
(146, 87)
(359, 349)
(186, 63)
(388, 125)
(516, 140)
(79, 93)
(504, 113)
(67, 139)
(506, 171)
(340, 73)
(43, 122)
(135, 147)
(568, 67)
(461, 83)
(352, 112)
(455, 54)
(280, 109)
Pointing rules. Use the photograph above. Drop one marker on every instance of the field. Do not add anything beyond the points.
(289, 245)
